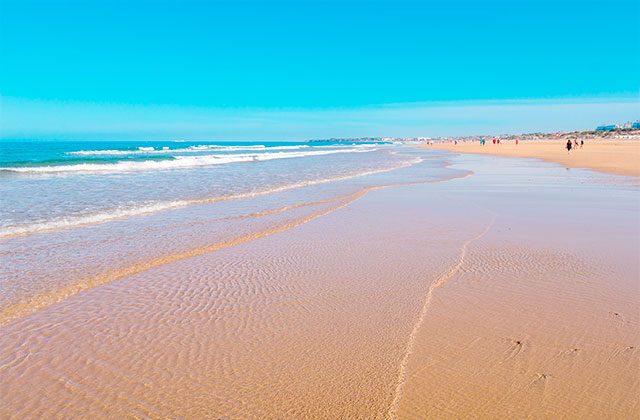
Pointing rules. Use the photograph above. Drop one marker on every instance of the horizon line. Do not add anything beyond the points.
(22, 118)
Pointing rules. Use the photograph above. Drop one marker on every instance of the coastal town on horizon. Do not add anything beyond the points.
(628, 131)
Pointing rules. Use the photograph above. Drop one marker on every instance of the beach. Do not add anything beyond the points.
(620, 157)
(378, 282)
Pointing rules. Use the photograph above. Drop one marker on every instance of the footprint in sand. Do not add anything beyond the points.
(571, 352)
(538, 386)
(514, 350)
(624, 351)
(629, 350)
(617, 318)
(541, 380)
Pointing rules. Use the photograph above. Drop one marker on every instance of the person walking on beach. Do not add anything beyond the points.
(581, 143)
(575, 143)
(569, 144)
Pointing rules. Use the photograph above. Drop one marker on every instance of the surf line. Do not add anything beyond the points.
(147, 209)
(392, 413)
(42, 301)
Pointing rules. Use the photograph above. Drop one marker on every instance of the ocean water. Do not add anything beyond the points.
(78, 214)
(51, 185)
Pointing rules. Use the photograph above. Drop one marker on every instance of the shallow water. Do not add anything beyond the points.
(69, 230)
(47, 185)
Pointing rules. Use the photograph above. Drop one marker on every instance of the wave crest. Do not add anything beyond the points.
(178, 162)
(81, 220)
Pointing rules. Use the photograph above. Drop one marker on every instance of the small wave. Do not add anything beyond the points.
(178, 162)
(105, 152)
(204, 148)
(90, 219)
(150, 208)
(167, 150)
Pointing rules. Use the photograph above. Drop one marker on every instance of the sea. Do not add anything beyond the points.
(74, 213)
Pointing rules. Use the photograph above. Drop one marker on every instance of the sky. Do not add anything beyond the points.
(261, 69)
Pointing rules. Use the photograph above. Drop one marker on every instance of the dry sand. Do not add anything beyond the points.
(620, 157)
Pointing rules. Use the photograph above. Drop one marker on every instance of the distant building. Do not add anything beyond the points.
(635, 125)
(609, 127)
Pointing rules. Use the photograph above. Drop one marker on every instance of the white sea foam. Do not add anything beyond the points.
(178, 162)
(81, 220)
(206, 147)
(166, 150)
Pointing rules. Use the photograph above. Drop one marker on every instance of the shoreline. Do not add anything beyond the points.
(618, 157)
(472, 297)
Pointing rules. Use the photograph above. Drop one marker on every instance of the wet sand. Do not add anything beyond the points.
(620, 157)
(542, 319)
(509, 293)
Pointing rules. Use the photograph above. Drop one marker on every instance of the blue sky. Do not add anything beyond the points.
(95, 69)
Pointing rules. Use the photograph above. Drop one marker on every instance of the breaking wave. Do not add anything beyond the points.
(79, 220)
(178, 162)
(204, 148)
